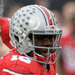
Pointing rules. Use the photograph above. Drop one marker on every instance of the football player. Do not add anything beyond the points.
(35, 35)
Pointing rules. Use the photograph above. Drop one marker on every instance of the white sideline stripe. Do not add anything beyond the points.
(11, 72)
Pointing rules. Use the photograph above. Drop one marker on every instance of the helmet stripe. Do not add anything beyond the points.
(48, 15)
(42, 14)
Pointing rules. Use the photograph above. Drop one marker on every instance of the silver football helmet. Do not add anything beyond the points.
(31, 21)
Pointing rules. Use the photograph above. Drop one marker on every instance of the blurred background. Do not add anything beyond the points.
(64, 11)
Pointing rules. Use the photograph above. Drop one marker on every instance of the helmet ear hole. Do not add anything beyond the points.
(16, 37)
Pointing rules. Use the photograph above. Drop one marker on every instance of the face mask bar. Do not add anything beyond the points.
(56, 54)
(56, 47)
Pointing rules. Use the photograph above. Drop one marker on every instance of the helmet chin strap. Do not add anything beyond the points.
(41, 58)
(42, 55)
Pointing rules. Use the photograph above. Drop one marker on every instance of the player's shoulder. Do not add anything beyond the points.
(10, 54)
(22, 63)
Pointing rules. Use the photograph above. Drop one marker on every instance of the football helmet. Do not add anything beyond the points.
(30, 21)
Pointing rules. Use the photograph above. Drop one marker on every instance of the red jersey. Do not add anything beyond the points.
(68, 53)
(14, 63)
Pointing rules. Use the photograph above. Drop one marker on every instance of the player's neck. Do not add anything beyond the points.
(47, 67)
